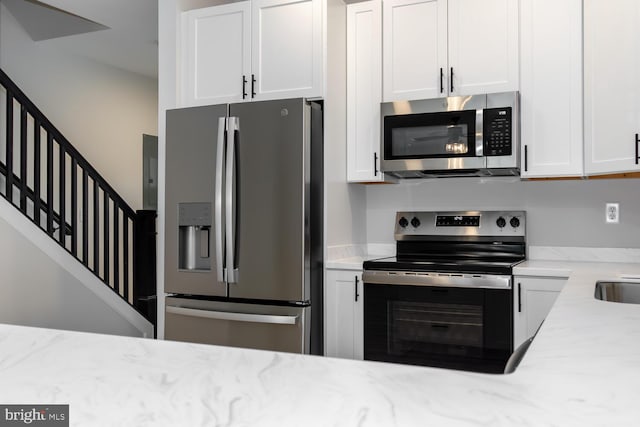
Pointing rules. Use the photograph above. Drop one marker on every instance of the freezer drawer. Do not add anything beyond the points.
(264, 327)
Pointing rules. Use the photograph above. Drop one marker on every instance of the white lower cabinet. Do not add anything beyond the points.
(533, 298)
(344, 294)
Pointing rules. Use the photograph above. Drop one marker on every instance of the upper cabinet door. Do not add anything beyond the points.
(364, 80)
(550, 65)
(483, 46)
(287, 48)
(414, 49)
(612, 85)
(216, 45)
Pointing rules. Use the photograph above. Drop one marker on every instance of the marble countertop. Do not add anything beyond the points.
(583, 369)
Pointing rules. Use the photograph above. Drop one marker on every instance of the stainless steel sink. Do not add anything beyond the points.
(627, 292)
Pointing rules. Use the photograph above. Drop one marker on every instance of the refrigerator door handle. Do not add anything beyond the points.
(234, 317)
(222, 132)
(230, 235)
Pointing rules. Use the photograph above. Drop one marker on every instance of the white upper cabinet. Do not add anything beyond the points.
(216, 43)
(435, 48)
(611, 86)
(287, 48)
(364, 80)
(483, 46)
(551, 65)
(415, 49)
(252, 50)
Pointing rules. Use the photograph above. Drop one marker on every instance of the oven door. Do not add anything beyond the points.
(449, 321)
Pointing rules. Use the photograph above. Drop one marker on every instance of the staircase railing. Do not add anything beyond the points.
(49, 181)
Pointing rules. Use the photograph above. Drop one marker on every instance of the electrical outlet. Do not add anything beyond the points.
(613, 213)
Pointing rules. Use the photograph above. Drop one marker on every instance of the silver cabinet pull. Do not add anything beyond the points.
(234, 317)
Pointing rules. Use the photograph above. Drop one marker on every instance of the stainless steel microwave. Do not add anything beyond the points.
(474, 135)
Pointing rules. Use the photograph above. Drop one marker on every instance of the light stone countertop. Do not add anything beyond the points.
(583, 369)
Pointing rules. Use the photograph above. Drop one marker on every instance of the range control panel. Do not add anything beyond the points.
(461, 223)
(457, 220)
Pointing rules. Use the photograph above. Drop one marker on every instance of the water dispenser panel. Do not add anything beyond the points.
(194, 236)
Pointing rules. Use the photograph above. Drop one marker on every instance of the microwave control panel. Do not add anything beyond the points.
(497, 127)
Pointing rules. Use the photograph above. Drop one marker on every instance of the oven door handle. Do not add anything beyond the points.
(439, 326)
(410, 278)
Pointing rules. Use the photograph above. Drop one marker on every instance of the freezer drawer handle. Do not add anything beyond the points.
(235, 317)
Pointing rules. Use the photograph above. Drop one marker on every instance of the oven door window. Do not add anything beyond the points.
(414, 325)
(430, 135)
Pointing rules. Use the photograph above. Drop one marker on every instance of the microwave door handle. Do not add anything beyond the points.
(220, 143)
(230, 205)
(479, 133)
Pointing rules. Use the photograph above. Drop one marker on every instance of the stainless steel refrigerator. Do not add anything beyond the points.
(243, 225)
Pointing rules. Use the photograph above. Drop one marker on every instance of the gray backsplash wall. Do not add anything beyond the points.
(559, 213)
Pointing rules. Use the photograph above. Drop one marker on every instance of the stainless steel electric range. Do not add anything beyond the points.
(446, 298)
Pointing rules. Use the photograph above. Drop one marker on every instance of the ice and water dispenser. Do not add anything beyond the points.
(194, 234)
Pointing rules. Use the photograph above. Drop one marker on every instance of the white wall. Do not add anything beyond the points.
(559, 213)
(43, 286)
(103, 111)
(345, 204)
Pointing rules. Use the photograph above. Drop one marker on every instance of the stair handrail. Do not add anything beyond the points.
(69, 148)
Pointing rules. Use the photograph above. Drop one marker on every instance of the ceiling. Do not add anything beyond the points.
(120, 33)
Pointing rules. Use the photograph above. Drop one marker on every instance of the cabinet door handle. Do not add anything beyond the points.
(637, 148)
(441, 80)
(375, 164)
(451, 79)
(519, 297)
(253, 86)
(244, 86)
(526, 158)
(356, 287)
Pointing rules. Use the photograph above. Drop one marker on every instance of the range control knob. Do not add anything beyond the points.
(501, 222)
(415, 222)
(403, 222)
(515, 222)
